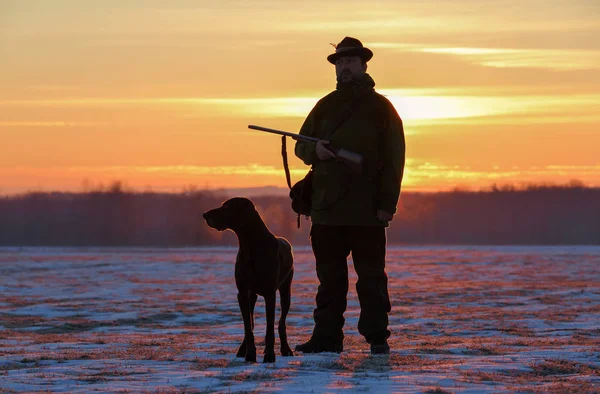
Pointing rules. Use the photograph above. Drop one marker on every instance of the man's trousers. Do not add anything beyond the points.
(331, 246)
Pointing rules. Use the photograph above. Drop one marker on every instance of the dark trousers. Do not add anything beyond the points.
(331, 246)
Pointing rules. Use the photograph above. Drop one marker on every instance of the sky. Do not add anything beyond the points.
(158, 95)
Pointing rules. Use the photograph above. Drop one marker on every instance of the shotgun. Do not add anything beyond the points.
(351, 159)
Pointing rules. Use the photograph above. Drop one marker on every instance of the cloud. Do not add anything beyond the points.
(554, 59)
(49, 124)
(172, 170)
(419, 174)
(411, 104)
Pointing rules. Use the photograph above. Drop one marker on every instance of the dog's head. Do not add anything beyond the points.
(232, 214)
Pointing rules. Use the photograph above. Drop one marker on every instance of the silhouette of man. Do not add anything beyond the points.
(350, 211)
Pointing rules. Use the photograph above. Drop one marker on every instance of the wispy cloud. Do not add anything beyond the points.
(410, 104)
(53, 88)
(49, 124)
(175, 170)
(526, 58)
(554, 59)
(420, 174)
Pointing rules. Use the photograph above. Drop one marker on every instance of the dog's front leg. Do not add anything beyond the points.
(270, 336)
(242, 350)
(244, 300)
(285, 294)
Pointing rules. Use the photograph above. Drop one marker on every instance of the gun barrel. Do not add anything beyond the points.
(280, 132)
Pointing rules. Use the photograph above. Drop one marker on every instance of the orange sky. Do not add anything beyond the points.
(159, 95)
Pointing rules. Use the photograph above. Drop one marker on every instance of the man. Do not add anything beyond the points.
(350, 210)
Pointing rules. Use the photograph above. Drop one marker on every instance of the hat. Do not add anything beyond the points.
(350, 47)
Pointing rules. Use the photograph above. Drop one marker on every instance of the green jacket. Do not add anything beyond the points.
(373, 130)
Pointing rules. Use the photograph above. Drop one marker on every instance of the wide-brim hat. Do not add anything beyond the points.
(350, 47)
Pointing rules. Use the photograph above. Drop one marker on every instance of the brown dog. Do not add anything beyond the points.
(264, 264)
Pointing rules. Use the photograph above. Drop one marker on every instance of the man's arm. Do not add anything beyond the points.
(394, 153)
(305, 150)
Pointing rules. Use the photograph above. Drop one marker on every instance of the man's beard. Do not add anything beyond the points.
(344, 73)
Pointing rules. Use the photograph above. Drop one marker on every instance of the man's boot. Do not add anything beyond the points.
(380, 346)
(320, 346)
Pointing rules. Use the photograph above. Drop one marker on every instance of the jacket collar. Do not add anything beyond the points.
(357, 88)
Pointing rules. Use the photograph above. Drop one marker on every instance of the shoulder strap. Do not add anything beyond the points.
(345, 114)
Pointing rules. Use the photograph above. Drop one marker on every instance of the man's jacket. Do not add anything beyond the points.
(373, 130)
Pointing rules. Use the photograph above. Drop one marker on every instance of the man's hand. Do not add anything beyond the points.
(384, 216)
(323, 152)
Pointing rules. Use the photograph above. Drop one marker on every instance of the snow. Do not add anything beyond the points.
(467, 319)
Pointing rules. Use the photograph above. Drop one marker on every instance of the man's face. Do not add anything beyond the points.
(349, 68)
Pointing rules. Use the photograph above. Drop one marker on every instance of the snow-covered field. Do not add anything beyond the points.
(464, 319)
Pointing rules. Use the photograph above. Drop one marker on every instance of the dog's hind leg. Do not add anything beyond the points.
(270, 300)
(253, 298)
(242, 350)
(285, 295)
(246, 299)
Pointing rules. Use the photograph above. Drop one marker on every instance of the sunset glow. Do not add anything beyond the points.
(159, 95)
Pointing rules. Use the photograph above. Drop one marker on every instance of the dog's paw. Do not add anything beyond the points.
(251, 357)
(241, 351)
(269, 357)
(287, 352)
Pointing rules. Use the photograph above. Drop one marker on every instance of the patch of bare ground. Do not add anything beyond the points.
(589, 338)
(437, 390)
(552, 342)
(541, 376)
(255, 376)
(441, 341)
(10, 321)
(563, 367)
(72, 327)
(360, 362)
(575, 387)
(172, 352)
(4, 368)
(221, 350)
(348, 362)
(19, 302)
(124, 347)
(484, 351)
(514, 329)
(78, 324)
(201, 364)
(432, 350)
(39, 338)
(110, 372)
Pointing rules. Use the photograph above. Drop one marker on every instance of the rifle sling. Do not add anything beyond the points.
(285, 161)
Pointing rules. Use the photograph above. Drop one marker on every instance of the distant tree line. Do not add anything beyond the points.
(540, 215)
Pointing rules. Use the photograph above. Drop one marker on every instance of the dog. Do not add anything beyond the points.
(264, 264)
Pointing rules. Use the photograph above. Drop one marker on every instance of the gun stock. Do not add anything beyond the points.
(351, 159)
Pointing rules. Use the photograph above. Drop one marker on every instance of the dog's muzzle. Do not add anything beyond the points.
(211, 222)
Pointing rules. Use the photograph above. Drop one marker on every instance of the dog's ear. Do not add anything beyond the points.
(240, 203)
(248, 203)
